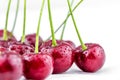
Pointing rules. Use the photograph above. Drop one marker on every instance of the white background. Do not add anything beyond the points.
(98, 22)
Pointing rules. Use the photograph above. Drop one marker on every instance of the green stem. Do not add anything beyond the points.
(16, 15)
(38, 27)
(63, 30)
(80, 39)
(51, 25)
(6, 23)
(24, 23)
(66, 18)
(64, 26)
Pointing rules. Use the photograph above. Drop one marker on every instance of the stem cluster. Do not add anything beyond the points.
(66, 18)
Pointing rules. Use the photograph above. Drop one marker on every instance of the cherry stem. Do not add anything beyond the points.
(16, 15)
(73, 19)
(51, 25)
(24, 22)
(6, 23)
(38, 27)
(64, 26)
(66, 18)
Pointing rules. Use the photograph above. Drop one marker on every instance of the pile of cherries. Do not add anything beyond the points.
(36, 59)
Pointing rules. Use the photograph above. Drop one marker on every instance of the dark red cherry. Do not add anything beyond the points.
(37, 66)
(62, 55)
(91, 59)
(11, 66)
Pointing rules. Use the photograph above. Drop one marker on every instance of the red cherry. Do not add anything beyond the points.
(63, 58)
(11, 66)
(37, 66)
(31, 38)
(10, 37)
(91, 59)
(62, 55)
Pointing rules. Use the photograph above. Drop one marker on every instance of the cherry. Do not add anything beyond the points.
(63, 58)
(37, 66)
(62, 55)
(11, 66)
(91, 59)
(31, 38)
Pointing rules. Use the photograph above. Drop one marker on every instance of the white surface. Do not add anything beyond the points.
(98, 22)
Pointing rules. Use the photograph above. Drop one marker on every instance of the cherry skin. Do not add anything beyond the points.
(2, 49)
(91, 59)
(3, 43)
(7, 43)
(21, 48)
(62, 55)
(30, 39)
(37, 66)
(11, 66)
(73, 46)
(70, 43)
(10, 37)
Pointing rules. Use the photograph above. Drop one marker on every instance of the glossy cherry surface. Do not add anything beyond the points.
(62, 55)
(30, 39)
(37, 66)
(91, 59)
(11, 66)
